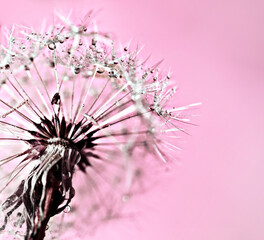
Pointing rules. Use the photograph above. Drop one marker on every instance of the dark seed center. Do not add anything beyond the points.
(59, 141)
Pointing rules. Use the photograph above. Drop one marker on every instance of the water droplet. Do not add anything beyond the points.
(19, 214)
(125, 197)
(94, 42)
(67, 209)
(77, 70)
(26, 68)
(90, 73)
(52, 46)
(52, 64)
(55, 99)
(100, 70)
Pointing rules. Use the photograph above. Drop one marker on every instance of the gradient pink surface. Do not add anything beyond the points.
(215, 50)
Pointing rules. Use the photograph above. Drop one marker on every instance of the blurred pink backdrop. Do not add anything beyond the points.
(216, 53)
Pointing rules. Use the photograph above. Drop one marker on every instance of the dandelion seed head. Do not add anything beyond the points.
(71, 102)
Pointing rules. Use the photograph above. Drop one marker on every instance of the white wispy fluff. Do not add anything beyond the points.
(72, 101)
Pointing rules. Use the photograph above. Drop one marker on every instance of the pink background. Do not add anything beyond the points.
(215, 50)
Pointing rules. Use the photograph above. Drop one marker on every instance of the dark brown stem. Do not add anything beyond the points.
(50, 205)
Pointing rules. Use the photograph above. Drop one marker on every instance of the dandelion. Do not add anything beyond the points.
(72, 101)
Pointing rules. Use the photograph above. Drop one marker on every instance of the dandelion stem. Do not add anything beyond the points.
(51, 204)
